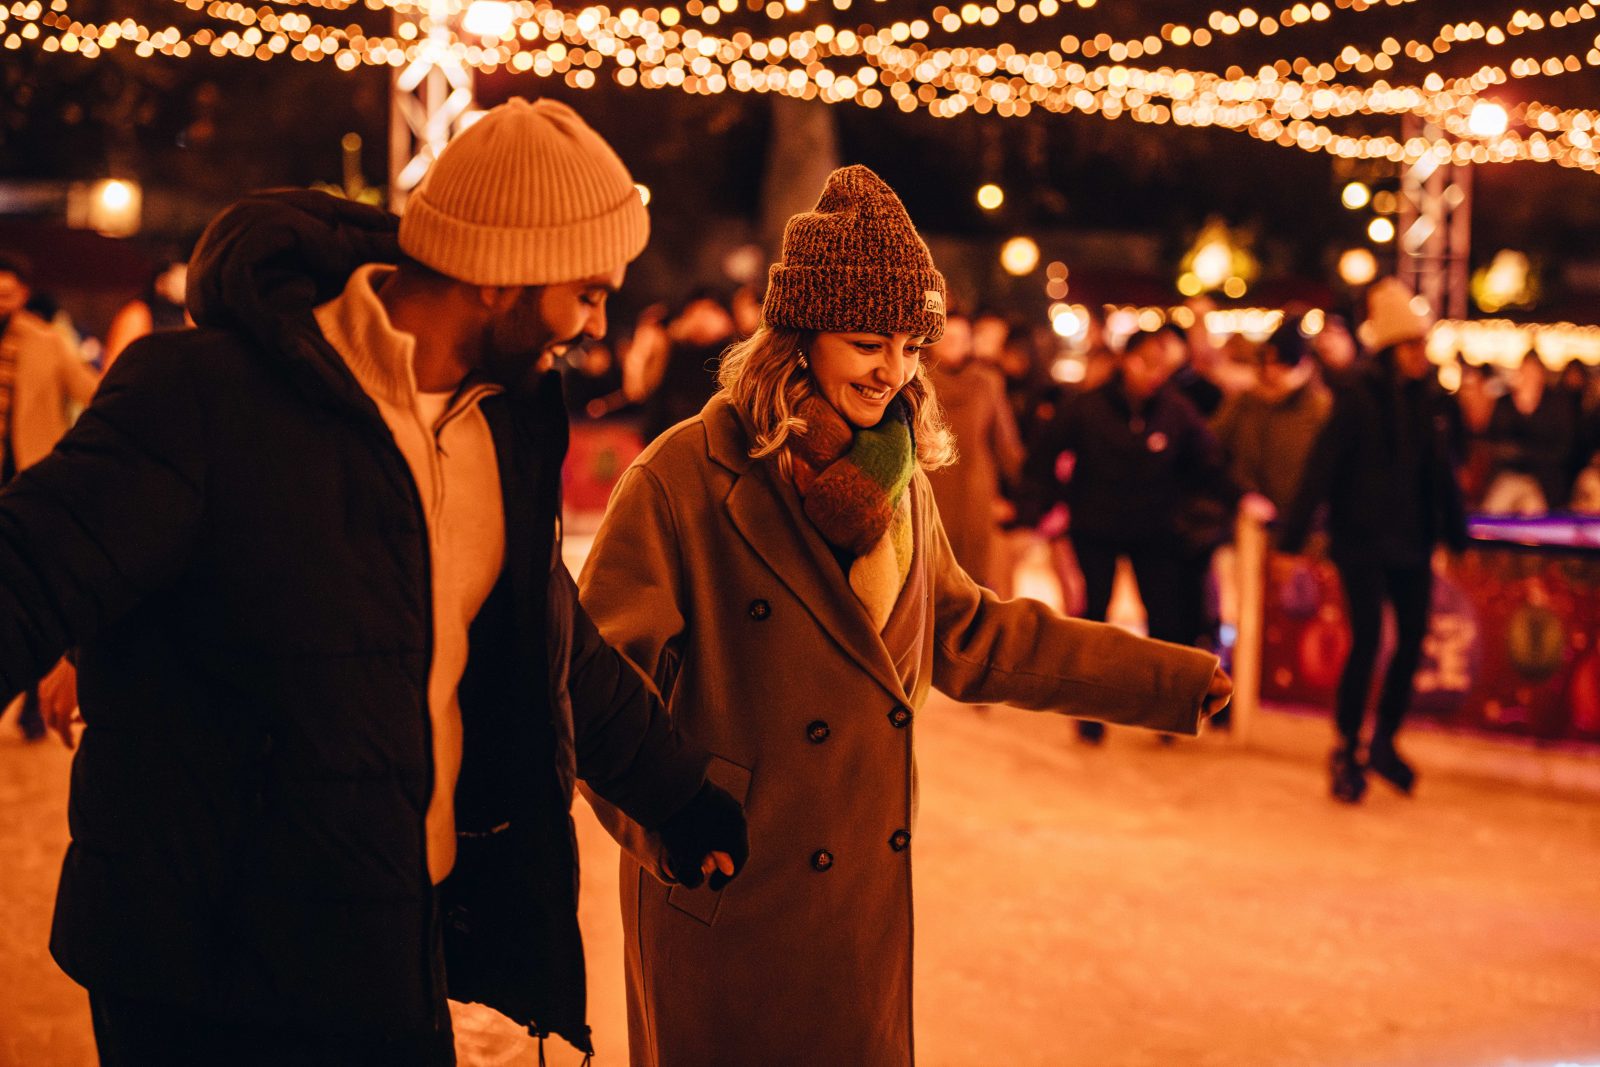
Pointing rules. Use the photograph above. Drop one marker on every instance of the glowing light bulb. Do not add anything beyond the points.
(1066, 323)
(644, 192)
(1019, 256)
(1355, 196)
(990, 196)
(489, 18)
(1487, 119)
(1358, 266)
(1381, 230)
(1213, 263)
(114, 207)
(116, 195)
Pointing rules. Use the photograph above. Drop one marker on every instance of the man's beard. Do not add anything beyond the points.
(510, 364)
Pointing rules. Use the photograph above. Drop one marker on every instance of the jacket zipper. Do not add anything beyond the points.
(463, 403)
(429, 894)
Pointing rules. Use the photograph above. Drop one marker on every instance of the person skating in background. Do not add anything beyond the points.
(1267, 432)
(991, 333)
(745, 306)
(1581, 386)
(336, 683)
(1385, 464)
(1335, 350)
(1144, 479)
(1040, 510)
(1099, 358)
(1531, 439)
(1199, 363)
(42, 382)
(1577, 386)
(1476, 397)
(160, 307)
(1025, 359)
(784, 551)
(687, 376)
(989, 453)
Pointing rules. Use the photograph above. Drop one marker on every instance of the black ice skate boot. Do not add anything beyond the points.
(1386, 763)
(1347, 778)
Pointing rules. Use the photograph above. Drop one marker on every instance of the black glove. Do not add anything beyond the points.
(712, 821)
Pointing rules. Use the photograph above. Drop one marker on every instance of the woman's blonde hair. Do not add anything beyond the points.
(763, 379)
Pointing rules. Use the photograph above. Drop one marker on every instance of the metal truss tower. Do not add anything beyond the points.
(431, 100)
(1435, 233)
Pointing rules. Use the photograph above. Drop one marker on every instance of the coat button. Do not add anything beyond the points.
(821, 860)
(900, 840)
(817, 732)
(899, 718)
(760, 610)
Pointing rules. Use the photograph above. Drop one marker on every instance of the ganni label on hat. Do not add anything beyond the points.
(933, 300)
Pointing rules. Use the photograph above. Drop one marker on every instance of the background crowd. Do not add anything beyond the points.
(1529, 436)
(1126, 453)
(1115, 443)
(1034, 417)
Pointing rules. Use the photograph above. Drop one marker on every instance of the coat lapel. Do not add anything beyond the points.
(767, 515)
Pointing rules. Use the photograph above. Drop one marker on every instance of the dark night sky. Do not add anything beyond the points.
(215, 128)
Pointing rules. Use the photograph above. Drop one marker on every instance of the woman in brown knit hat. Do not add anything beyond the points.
(778, 564)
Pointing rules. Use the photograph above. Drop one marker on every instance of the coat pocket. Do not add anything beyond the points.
(703, 903)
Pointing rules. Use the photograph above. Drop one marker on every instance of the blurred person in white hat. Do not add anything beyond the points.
(1385, 464)
(42, 382)
(335, 680)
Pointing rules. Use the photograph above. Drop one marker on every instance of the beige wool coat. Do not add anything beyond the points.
(706, 574)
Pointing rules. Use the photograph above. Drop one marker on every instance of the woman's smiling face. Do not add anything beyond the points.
(859, 372)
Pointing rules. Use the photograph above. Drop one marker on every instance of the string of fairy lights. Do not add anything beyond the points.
(1295, 103)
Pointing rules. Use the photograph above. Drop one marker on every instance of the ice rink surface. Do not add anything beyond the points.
(1138, 905)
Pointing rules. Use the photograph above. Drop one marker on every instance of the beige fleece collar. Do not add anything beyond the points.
(357, 325)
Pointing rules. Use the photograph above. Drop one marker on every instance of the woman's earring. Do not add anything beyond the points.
(803, 364)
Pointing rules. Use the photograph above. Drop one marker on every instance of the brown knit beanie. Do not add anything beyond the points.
(855, 262)
(527, 195)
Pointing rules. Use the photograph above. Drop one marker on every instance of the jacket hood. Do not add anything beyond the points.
(267, 261)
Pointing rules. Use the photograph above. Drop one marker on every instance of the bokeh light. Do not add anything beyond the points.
(1019, 256)
(1358, 266)
(1487, 119)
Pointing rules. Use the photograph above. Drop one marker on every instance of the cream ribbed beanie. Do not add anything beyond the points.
(527, 195)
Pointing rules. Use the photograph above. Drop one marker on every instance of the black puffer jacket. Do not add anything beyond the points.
(1385, 464)
(234, 542)
(1138, 477)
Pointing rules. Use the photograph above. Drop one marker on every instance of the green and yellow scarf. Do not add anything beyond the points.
(853, 484)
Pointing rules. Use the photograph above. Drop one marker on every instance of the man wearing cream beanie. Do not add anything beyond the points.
(527, 195)
(1385, 463)
(337, 685)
